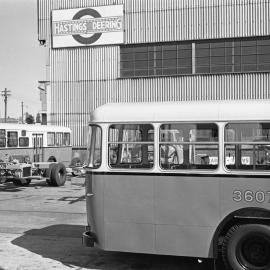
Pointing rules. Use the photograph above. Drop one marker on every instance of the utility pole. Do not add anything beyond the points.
(22, 112)
(6, 94)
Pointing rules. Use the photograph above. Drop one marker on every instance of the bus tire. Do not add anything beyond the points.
(52, 159)
(58, 174)
(247, 247)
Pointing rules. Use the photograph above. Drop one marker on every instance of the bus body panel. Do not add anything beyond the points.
(244, 192)
(145, 214)
(62, 154)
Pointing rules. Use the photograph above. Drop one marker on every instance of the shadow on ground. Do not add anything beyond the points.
(63, 243)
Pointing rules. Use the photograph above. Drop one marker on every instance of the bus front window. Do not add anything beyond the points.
(94, 147)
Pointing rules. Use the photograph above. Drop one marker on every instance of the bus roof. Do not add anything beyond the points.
(34, 128)
(242, 110)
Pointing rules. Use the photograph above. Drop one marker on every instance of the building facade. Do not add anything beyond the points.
(164, 50)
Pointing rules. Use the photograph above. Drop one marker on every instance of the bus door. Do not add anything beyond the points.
(38, 147)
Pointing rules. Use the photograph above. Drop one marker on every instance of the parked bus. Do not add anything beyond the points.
(37, 144)
(181, 178)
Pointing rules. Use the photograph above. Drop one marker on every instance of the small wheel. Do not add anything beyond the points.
(58, 175)
(247, 247)
(52, 159)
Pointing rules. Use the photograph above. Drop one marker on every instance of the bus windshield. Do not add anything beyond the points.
(94, 147)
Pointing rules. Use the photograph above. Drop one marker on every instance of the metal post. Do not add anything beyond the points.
(5, 94)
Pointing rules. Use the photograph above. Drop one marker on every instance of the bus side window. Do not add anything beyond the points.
(66, 139)
(12, 139)
(131, 146)
(51, 139)
(23, 142)
(2, 138)
(188, 146)
(249, 148)
(59, 138)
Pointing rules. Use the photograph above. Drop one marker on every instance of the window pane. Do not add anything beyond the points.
(264, 58)
(248, 50)
(202, 53)
(250, 132)
(184, 54)
(23, 141)
(218, 52)
(249, 59)
(2, 142)
(94, 146)
(169, 63)
(51, 139)
(141, 64)
(202, 61)
(169, 71)
(127, 65)
(142, 72)
(203, 69)
(2, 133)
(217, 60)
(127, 73)
(249, 67)
(218, 69)
(184, 70)
(130, 147)
(169, 54)
(178, 148)
(59, 138)
(127, 57)
(247, 157)
(66, 139)
(141, 56)
(12, 139)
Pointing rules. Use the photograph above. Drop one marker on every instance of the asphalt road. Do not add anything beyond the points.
(41, 228)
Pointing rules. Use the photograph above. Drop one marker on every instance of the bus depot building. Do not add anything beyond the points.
(101, 51)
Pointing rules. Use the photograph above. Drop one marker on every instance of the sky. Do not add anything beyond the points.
(22, 59)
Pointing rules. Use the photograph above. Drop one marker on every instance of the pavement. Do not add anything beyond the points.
(41, 228)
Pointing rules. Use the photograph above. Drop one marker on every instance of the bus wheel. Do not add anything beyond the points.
(51, 159)
(247, 247)
(58, 174)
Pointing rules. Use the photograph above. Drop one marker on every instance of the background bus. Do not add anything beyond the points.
(181, 178)
(37, 142)
(34, 152)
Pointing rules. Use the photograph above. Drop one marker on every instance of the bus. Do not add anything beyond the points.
(181, 178)
(36, 144)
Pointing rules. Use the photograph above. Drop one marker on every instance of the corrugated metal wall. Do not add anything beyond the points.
(170, 20)
(84, 78)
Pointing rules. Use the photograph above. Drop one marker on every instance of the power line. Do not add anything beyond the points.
(6, 94)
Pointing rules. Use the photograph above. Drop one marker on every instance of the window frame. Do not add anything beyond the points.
(49, 133)
(191, 167)
(24, 138)
(254, 168)
(89, 147)
(128, 166)
(13, 140)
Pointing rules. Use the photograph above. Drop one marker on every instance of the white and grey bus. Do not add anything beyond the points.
(34, 152)
(181, 178)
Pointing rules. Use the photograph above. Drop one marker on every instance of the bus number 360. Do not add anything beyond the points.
(251, 196)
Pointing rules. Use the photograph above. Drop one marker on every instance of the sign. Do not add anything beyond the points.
(88, 26)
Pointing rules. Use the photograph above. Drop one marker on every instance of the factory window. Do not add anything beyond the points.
(204, 57)
(228, 56)
(156, 60)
